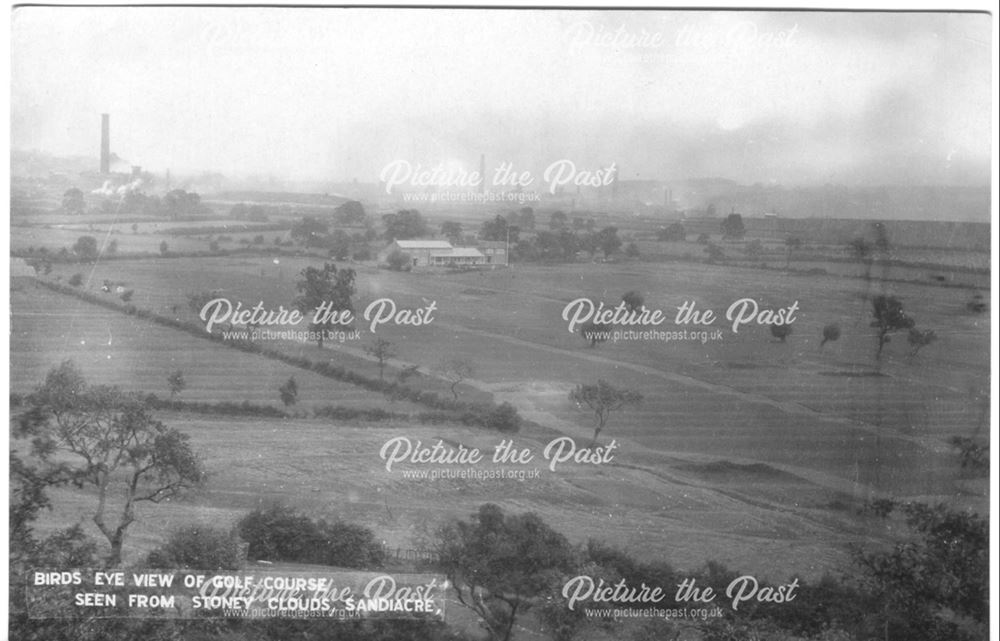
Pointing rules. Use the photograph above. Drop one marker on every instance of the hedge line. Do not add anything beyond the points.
(223, 408)
(502, 417)
(69, 259)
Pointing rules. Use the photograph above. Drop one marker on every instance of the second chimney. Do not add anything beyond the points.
(105, 144)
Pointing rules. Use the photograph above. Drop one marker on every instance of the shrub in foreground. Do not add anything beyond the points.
(279, 533)
(199, 548)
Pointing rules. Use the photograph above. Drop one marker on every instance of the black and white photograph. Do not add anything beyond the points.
(472, 323)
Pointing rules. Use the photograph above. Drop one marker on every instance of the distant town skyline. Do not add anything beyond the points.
(783, 97)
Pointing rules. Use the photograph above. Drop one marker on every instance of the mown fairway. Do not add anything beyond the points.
(837, 410)
(744, 450)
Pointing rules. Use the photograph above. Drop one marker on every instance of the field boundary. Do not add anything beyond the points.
(502, 417)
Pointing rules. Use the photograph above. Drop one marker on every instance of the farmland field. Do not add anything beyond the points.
(744, 449)
(115, 349)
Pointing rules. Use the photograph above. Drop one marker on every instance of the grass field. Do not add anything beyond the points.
(685, 513)
(794, 390)
(115, 349)
(744, 450)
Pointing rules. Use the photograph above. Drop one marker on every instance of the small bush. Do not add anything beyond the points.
(76, 280)
(503, 418)
(199, 548)
(781, 332)
(399, 261)
(673, 232)
(289, 392)
(278, 533)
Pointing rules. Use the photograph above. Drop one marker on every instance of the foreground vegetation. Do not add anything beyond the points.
(932, 584)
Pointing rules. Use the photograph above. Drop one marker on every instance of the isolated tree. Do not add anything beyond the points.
(972, 454)
(86, 248)
(792, 244)
(399, 261)
(608, 241)
(350, 213)
(603, 399)
(320, 285)
(455, 371)
(164, 248)
(176, 383)
(310, 232)
(381, 350)
(72, 201)
(732, 227)
(595, 333)
(918, 339)
(289, 392)
(976, 305)
(451, 230)
(633, 300)
(503, 418)
(673, 232)
(888, 317)
(404, 224)
(110, 442)
(498, 229)
(500, 566)
(830, 333)
(781, 332)
(178, 203)
(76, 279)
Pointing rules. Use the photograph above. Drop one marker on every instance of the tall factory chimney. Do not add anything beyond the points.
(105, 144)
(482, 173)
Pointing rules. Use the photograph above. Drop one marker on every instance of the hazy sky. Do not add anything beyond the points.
(793, 98)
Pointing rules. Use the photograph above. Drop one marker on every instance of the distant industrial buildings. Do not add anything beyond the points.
(105, 143)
